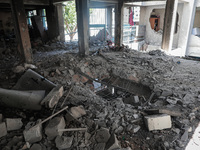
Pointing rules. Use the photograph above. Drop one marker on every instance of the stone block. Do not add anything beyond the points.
(77, 112)
(63, 142)
(33, 134)
(14, 124)
(3, 130)
(158, 122)
(54, 125)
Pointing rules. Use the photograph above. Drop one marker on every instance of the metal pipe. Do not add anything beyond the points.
(21, 99)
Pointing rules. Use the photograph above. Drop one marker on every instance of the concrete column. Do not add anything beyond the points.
(82, 10)
(119, 19)
(109, 20)
(61, 21)
(52, 21)
(186, 26)
(169, 24)
(21, 29)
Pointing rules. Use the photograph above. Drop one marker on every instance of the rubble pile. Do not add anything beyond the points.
(112, 100)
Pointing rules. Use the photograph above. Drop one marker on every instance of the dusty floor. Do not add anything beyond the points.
(174, 82)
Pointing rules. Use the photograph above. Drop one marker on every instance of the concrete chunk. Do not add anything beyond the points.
(113, 143)
(3, 130)
(14, 124)
(52, 98)
(36, 147)
(158, 122)
(77, 112)
(33, 134)
(63, 142)
(52, 128)
(102, 135)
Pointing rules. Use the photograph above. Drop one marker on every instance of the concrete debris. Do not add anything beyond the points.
(14, 124)
(52, 98)
(102, 135)
(113, 143)
(100, 146)
(3, 129)
(36, 147)
(33, 134)
(158, 122)
(53, 126)
(77, 112)
(144, 84)
(163, 111)
(19, 69)
(63, 142)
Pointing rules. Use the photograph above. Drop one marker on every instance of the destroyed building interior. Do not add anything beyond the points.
(99, 74)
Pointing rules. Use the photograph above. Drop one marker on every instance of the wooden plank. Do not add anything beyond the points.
(21, 29)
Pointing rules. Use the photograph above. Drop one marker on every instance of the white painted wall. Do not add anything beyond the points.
(152, 37)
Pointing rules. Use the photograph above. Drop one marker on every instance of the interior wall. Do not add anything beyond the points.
(7, 24)
(152, 37)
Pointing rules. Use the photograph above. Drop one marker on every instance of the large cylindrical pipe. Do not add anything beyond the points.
(21, 99)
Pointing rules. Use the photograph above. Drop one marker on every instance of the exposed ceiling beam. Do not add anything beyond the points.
(29, 2)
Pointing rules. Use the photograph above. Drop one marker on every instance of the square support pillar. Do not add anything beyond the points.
(82, 9)
(21, 29)
(52, 21)
(61, 21)
(169, 24)
(189, 10)
(109, 20)
(119, 21)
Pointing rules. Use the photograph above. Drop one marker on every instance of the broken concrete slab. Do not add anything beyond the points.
(33, 134)
(3, 129)
(158, 122)
(63, 142)
(102, 135)
(112, 143)
(21, 99)
(13, 124)
(53, 126)
(52, 98)
(163, 111)
(77, 112)
(33, 81)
